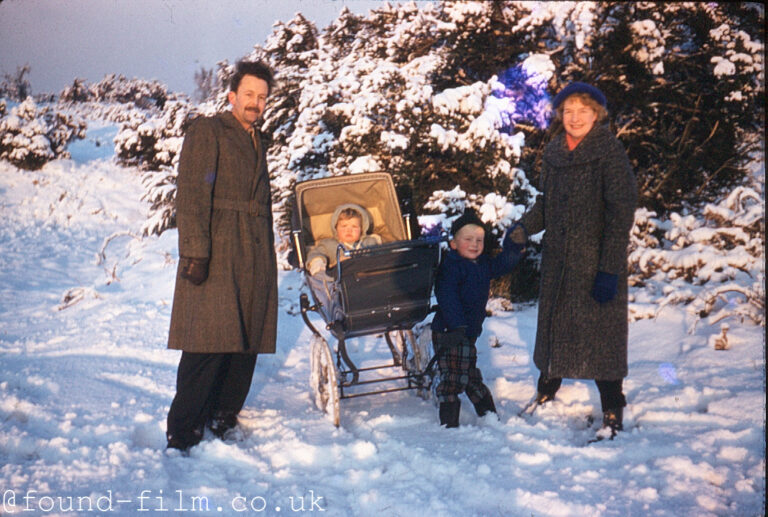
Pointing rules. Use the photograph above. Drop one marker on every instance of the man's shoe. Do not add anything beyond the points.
(180, 444)
(221, 423)
(185, 440)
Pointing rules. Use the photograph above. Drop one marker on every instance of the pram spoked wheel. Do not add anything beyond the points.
(323, 379)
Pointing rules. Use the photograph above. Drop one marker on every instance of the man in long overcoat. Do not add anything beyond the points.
(225, 302)
(587, 209)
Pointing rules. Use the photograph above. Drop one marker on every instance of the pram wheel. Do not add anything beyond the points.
(323, 379)
(398, 346)
(418, 362)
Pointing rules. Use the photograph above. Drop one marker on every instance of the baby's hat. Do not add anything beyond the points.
(365, 217)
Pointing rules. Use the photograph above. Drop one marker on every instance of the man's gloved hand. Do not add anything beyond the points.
(194, 269)
(605, 288)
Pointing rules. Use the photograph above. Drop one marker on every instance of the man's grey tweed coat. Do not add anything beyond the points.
(223, 212)
(587, 210)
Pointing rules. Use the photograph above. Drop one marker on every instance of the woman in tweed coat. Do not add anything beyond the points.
(587, 210)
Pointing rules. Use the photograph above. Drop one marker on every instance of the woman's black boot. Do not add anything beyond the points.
(613, 419)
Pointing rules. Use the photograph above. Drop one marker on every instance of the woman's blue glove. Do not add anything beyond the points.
(605, 288)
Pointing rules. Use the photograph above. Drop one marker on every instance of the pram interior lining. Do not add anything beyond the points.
(374, 191)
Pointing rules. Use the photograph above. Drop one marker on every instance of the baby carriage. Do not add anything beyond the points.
(380, 290)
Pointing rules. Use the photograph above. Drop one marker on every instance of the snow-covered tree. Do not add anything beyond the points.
(712, 260)
(155, 140)
(116, 88)
(205, 84)
(77, 92)
(16, 86)
(30, 136)
(361, 96)
(160, 192)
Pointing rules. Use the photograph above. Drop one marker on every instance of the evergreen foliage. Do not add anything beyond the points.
(117, 89)
(154, 141)
(712, 260)
(16, 86)
(30, 136)
(205, 84)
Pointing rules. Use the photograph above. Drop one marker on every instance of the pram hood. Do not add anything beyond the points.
(317, 200)
(365, 217)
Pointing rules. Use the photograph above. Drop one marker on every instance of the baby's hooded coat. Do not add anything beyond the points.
(326, 248)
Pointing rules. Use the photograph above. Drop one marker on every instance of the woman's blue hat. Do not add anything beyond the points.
(577, 87)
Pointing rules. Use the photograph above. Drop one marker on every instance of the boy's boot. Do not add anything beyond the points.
(449, 413)
(613, 420)
(485, 405)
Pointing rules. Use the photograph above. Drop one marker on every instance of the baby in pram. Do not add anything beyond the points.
(350, 225)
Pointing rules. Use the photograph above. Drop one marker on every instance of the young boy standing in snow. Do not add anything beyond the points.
(462, 287)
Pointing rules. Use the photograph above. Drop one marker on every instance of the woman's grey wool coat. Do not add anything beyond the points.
(223, 213)
(587, 210)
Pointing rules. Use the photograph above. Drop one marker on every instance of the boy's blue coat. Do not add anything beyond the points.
(462, 287)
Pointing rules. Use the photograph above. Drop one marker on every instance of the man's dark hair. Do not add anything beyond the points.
(256, 68)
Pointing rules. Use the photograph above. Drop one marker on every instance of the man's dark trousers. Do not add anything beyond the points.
(208, 385)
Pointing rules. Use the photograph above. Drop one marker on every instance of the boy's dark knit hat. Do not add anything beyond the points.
(577, 87)
(468, 217)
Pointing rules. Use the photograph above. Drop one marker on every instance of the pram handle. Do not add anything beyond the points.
(296, 234)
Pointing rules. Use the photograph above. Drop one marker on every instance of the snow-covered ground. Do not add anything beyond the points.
(86, 381)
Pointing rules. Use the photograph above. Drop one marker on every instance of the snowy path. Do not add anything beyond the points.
(84, 391)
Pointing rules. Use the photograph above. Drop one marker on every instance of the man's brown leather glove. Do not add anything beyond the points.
(194, 269)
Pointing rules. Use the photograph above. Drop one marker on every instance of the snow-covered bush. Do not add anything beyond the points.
(712, 260)
(117, 99)
(160, 191)
(116, 88)
(373, 94)
(30, 135)
(153, 141)
(493, 209)
(77, 92)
